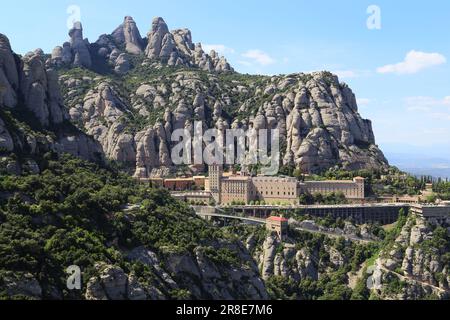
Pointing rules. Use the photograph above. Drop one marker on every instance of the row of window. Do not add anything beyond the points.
(271, 193)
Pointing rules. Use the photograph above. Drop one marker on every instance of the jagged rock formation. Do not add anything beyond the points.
(128, 35)
(317, 117)
(22, 285)
(76, 52)
(415, 261)
(134, 117)
(31, 90)
(205, 279)
(176, 48)
(292, 263)
(9, 77)
(173, 48)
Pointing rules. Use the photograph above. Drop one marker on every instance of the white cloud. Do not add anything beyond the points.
(259, 57)
(220, 48)
(414, 62)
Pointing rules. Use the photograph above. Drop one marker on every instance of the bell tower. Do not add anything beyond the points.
(215, 179)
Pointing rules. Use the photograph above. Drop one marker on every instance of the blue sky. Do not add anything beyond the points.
(408, 101)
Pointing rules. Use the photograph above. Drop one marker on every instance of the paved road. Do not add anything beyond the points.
(336, 235)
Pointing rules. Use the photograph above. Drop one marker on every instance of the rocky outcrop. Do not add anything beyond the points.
(41, 92)
(415, 262)
(113, 284)
(177, 49)
(324, 126)
(21, 285)
(212, 280)
(38, 85)
(159, 40)
(284, 260)
(9, 76)
(128, 35)
(30, 88)
(197, 273)
(80, 47)
(173, 48)
(6, 142)
(317, 117)
(74, 53)
(122, 64)
(101, 111)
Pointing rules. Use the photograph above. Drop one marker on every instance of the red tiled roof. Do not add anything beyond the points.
(278, 219)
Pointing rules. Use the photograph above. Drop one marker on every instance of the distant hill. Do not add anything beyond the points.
(421, 164)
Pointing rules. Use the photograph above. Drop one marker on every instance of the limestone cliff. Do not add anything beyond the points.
(174, 48)
(201, 276)
(130, 93)
(416, 265)
(33, 119)
(316, 114)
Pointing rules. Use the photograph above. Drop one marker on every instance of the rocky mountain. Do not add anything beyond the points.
(316, 115)
(416, 265)
(136, 243)
(411, 262)
(201, 276)
(121, 98)
(131, 93)
(130, 242)
(174, 48)
(33, 118)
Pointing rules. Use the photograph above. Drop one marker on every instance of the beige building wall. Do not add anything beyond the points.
(207, 186)
(215, 182)
(351, 189)
(235, 189)
(226, 189)
(278, 225)
(275, 190)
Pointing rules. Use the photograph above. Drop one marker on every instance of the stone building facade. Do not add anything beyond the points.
(353, 190)
(242, 189)
(275, 190)
(236, 190)
(278, 225)
(231, 188)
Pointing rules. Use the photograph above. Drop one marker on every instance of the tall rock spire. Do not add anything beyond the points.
(80, 49)
(128, 34)
(9, 77)
(155, 37)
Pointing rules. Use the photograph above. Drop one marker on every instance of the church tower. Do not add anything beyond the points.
(215, 179)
